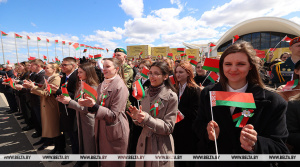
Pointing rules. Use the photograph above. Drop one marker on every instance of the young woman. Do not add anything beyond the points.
(189, 99)
(264, 133)
(157, 116)
(201, 75)
(111, 124)
(85, 120)
(49, 106)
(287, 94)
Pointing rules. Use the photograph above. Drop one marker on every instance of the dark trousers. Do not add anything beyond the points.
(60, 141)
(36, 117)
(10, 97)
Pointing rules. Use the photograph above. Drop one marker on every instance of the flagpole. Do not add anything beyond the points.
(69, 50)
(47, 49)
(37, 42)
(205, 78)
(62, 48)
(55, 49)
(75, 52)
(89, 50)
(27, 47)
(2, 50)
(212, 117)
(16, 48)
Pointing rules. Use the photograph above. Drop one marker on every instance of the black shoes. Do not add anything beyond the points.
(18, 114)
(65, 162)
(53, 151)
(27, 128)
(38, 142)
(23, 122)
(42, 147)
(10, 112)
(35, 135)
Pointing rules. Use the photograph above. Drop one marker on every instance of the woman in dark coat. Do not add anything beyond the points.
(264, 133)
(189, 99)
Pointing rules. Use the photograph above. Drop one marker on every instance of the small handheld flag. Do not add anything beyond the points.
(211, 65)
(145, 72)
(89, 90)
(138, 90)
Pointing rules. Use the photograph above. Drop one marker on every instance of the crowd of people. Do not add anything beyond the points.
(115, 122)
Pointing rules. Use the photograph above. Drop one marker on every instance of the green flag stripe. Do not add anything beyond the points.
(235, 104)
(89, 93)
(210, 69)
(210, 78)
(144, 75)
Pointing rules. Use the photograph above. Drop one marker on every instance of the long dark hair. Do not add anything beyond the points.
(91, 76)
(253, 76)
(165, 70)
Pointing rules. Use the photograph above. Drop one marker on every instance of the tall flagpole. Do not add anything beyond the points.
(37, 42)
(89, 50)
(75, 52)
(55, 49)
(27, 47)
(16, 48)
(47, 48)
(2, 50)
(62, 48)
(69, 50)
(79, 52)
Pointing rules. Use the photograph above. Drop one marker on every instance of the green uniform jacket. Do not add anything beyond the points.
(128, 74)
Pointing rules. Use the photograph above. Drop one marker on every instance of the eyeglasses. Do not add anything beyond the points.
(150, 74)
(64, 65)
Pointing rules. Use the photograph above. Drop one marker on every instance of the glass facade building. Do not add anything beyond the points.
(261, 40)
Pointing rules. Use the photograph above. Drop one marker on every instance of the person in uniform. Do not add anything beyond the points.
(121, 54)
(283, 72)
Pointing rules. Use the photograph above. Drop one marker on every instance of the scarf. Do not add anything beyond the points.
(155, 90)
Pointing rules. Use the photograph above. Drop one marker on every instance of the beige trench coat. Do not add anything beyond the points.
(85, 124)
(49, 109)
(156, 135)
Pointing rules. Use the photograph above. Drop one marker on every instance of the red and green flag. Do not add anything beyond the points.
(47, 40)
(194, 63)
(79, 95)
(28, 38)
(145, 72)
(89, 90)
(211, 65)
(235, 38)
(70, 43)
(232, 99)
(57, 60)
(82, 45)
(64, 89)
(106, 50)
(31, 58)
(286, 39)
(3, 33)
(155, 108)
(7, 62)
(98, 56)
(183, 55)
(213, 77)
(138, 90)
(191, 57)
(171, 77)
(76, 46)
(140, 53)
(48, 86)
(211, 45)
(180, 50)
(45, 58)
(272, 50)
(179, 116)
(17, 35)
(56, 41)
(290, 85)
(103, 97)
(38, 38)
(12, 84)
(170, 55)
(84, 50)
(63, 42)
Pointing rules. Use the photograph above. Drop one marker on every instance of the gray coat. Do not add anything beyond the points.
(156, 135)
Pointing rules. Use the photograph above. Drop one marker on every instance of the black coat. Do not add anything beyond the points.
(199, 79)
(38, 78)
(68, 118)
(269, 121)
(293, 124)
(183, 134)
(4, 88)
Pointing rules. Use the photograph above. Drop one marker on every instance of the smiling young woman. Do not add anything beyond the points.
(264, 133)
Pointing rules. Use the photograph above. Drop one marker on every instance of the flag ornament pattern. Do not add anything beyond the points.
(290, 85)
(213, 77)
(179, 116)
(89, 90)
(103, 97)
(3, 33)
(194, 63)
(145, 72)
(211, 65)
(155, 108)
(138, 90)
(242, 117)
(232, 99)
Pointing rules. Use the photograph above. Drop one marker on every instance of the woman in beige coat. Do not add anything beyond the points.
(157, 116)
(111, 124)
(49, 106)
(85, 120)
